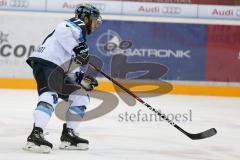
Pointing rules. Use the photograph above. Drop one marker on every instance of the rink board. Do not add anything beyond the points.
(211, 57)
(182, 89)
(163, 8)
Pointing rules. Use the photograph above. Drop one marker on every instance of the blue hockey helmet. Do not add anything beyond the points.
(89, 11)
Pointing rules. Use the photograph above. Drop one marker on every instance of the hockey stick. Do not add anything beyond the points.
(202, 135)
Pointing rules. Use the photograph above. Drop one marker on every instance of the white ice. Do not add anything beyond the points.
(111, 139)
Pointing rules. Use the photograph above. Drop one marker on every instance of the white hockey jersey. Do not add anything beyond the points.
(58, 46)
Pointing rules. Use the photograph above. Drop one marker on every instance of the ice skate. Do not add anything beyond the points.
(37, 143)
(71, 141)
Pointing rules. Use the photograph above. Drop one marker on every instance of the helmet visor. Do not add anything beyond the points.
(98, 20)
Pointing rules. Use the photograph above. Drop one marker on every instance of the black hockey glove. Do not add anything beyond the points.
(85, 81)
(81, 54)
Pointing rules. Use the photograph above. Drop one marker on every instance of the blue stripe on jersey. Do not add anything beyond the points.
(44, 109)
(72, 24)
(79, 110)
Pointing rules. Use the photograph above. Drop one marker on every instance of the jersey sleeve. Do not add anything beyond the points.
(64, 36)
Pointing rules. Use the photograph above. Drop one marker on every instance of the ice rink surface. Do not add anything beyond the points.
(115, 138)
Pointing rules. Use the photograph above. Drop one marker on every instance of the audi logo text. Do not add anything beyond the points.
(171, 10)
(19, 3)
(238, 13)
(100, 6)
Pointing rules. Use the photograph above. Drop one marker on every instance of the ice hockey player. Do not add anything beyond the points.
(67, 41)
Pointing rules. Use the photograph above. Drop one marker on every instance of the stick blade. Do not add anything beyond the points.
(208, 133)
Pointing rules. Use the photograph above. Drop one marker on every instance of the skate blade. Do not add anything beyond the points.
(37, 149)
(68, 146)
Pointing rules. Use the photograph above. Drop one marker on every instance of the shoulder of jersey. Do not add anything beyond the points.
(75, 22)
